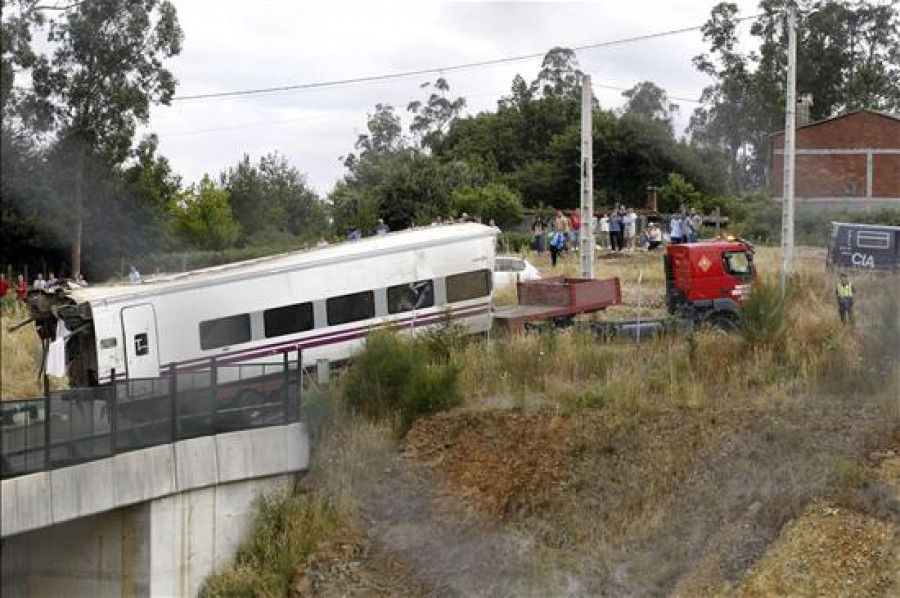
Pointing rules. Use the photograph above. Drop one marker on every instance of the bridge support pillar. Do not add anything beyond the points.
(163, 547)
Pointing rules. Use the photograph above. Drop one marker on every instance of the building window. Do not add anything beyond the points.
(289, 319)
(469, 285)
(223, 332)
(850, 188)
(407, 297)
(350, 308)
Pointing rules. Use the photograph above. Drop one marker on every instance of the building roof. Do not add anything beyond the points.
(890, 115)
(295, 260)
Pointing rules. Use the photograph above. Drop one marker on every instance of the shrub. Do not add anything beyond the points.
(393, 377)
(514, 242)
(762, 320)
(494, 201)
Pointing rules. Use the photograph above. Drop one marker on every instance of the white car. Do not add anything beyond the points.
(509, 269)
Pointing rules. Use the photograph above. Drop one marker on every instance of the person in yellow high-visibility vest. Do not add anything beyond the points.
(845, 293)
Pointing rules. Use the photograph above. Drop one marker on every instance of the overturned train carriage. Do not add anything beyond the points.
(322, 301)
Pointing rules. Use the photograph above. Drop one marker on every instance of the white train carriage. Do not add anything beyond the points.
(323, 301)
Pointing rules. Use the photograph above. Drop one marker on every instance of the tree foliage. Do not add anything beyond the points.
(649, 101)
(102, 71)
(494, 201)
(848, 58)
(201, 216)
(272, 198)
(433, 116)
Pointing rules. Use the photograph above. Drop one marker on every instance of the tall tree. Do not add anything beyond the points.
(273, 198)
(848, 58)
(559, 76)
(649, 101)
(433, 116)
(104, 70)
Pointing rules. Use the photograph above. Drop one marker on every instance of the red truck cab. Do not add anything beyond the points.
(706, 281)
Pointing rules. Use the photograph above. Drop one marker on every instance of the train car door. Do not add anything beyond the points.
(141, 346)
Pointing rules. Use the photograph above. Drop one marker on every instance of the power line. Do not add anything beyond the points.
(443, 69)
(670, 97)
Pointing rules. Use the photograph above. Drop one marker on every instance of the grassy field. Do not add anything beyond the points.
(700, 465)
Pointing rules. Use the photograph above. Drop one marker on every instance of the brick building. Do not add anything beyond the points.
(846, 160)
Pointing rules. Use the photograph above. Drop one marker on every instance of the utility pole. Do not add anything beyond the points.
(586, 234)
(787, 195)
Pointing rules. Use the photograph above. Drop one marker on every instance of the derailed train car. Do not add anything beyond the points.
(864, 246)
(322, 301)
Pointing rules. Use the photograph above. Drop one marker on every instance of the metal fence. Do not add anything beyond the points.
(73, 426)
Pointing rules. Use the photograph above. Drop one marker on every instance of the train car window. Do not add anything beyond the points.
(289, 319)
(350, 308)
(223, 332)
(870, 239)
(407, 297)
(469, 285)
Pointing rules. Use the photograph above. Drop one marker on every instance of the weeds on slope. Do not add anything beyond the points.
(287, 529)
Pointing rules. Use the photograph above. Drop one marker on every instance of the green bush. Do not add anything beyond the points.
(763, 320)
(392, 377)
(514, 242)
(494, 201)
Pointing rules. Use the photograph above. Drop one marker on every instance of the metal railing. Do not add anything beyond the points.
(67, 427)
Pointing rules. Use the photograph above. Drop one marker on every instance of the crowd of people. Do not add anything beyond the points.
(20, 286)
(618, 230)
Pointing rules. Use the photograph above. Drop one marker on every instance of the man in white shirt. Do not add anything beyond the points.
(134, 277)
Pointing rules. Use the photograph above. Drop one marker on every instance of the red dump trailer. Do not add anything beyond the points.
(558, 299)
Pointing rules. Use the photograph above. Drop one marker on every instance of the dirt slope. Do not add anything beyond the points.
(679, 502)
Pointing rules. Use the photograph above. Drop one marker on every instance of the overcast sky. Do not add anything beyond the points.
(234, 45)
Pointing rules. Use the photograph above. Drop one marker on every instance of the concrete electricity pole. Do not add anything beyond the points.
(787, 195)
(586, 234)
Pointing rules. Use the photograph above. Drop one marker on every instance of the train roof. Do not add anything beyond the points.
(380, 244)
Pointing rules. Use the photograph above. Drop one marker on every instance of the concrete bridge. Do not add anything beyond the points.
(148, 521)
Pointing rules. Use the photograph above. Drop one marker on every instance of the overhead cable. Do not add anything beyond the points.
(434, 70)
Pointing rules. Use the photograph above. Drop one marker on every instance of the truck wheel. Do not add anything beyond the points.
(722, 323)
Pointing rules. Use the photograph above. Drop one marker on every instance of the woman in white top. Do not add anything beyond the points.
(604, 231)
(630, 221)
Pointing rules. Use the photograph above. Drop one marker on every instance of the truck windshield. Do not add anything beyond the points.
(738, 263)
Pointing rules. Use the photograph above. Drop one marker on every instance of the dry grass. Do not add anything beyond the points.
(287, 530)
(292, 529)
(828, 551)
(21, 354)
